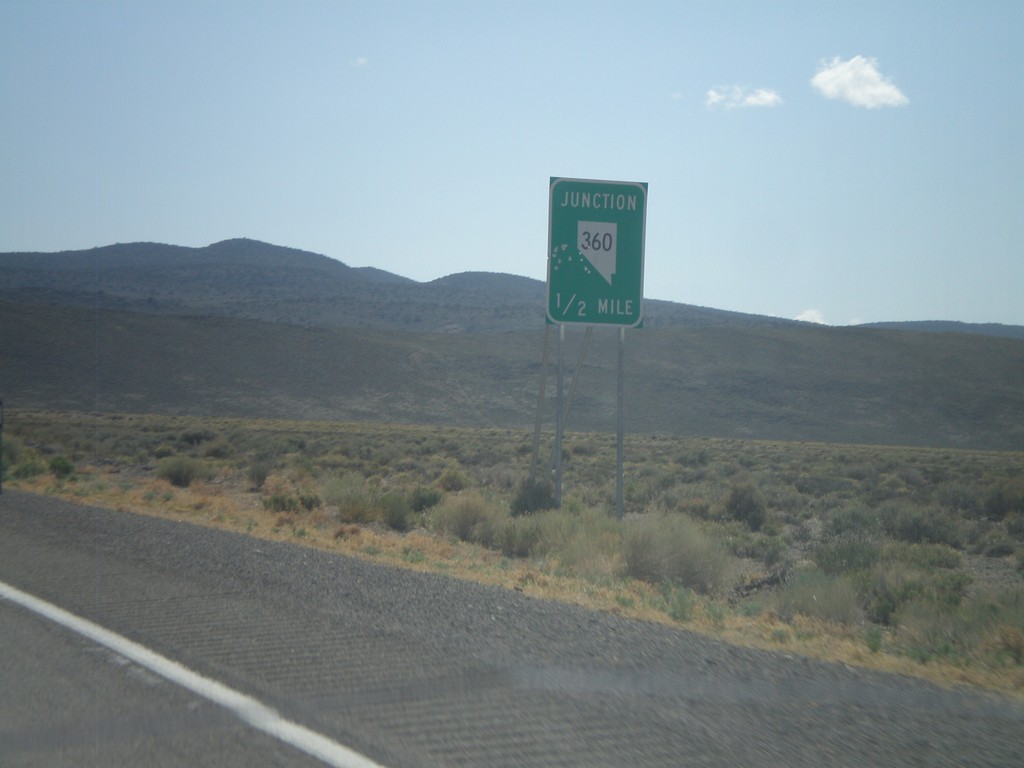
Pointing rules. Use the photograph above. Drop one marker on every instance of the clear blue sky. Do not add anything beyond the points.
(850, 162)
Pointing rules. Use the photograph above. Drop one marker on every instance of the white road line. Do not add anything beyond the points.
(246, 708)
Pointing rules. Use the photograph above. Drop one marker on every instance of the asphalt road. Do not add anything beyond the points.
(413, 670)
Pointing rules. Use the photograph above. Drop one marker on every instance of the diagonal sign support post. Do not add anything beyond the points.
(596, 232)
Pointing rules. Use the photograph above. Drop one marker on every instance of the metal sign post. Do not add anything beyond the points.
(596, 233)
(620, 430)
(559, 415)
(1, 446)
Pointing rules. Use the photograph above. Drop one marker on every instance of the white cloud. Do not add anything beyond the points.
(361, 62)
(762, 97)
(811, 316)
(676, 96)
(714, 98)
(857, 82)
(733, 96)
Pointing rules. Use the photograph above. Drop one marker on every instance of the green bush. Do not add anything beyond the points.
(397, 512)
(469, 517)
(218, 449)
(352, 500)
(929, 631)
(194, 437)
(61, 467)
(181, 471)
(820, 596)
(854, 520)
(886, 589)
(258, 473)
(1004, 500)
(281, 502)
(309, 500)
(452, 480)
(847, 556)
(746, 504)
(889, 587)
(519, 538)
(677, 602)
(12, 449)
(927, 556)
(673, 549)
(912, 523)
(533, 496)
(424, 498)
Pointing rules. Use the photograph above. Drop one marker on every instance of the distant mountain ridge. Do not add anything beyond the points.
(259, 281)
(242, 328)
(950, 326)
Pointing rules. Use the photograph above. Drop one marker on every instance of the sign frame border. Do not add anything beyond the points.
(643, 187)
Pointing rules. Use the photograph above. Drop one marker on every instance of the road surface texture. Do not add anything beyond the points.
(412, 669)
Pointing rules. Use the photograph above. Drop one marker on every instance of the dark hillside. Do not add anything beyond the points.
(946, 326)
(256, 281)
(800, 382)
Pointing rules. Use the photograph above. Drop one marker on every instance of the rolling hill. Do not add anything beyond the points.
(248, 329)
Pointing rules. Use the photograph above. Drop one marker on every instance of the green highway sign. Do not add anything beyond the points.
(596, 251)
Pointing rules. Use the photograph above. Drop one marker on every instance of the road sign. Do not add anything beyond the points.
(596, 251)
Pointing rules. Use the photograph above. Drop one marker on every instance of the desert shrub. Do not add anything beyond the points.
(992, 626)
(280, 502)
(999, 547)
(61, 467)
(854, 520)
(910, 522)
(676, 601)
(950, 588)
(1004, 500)
(351, 499)
(423, 498)
(29, 465)
(452, 480)
(746, 504)
(163, 450)
(960, 497)
(309, 500)
(819, 485)
(673, 549)
(889, 587)
(519, 538)
(469, 517)
(218, 449)
(847, 556)
(820, 596)
(999, 619)
(532, 496)
(927, 556)
(397, 511)
(586, 543)
(695, 458)
(886, 589)
(769, 549)
(928, 631)
(181, 471)
(194, 437)
(11, 451)
(257, 474)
